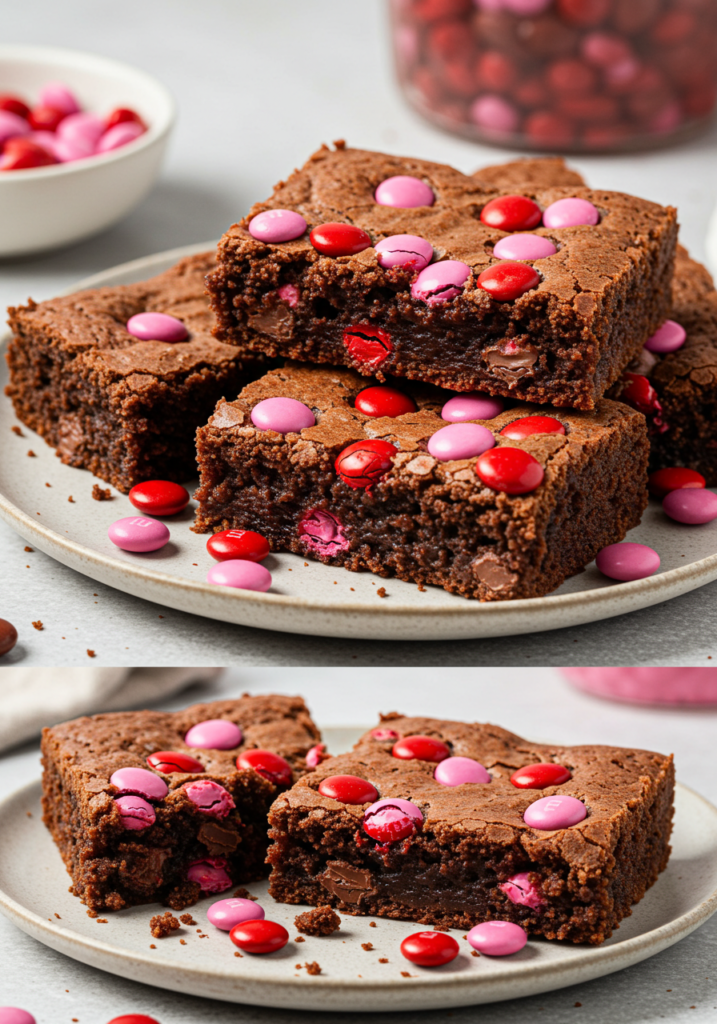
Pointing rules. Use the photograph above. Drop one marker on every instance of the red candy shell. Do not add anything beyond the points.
(246, 544)
(14, 105)
(335, 239)
(637, 391)
(510, 470)
(384, 401)
(508, 280)
(123, 115)
(674, 478)
(366, 344)
(20, 154)
(363, 463)
(259, 936)
(430, 949)
(159, 497)
(420, 748)
(528, 425)
(539, 776)
(134, 1018)
(170, 761)
(45, 119)
(266, 763)
(511, 213)
(349, 789)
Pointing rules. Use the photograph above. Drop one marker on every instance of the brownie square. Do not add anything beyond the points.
(563, 342)
(125, 409)
(453, 871)
(424, 521)
(113, 866)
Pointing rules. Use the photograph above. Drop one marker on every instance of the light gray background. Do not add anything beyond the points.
(536, 703)
(260, 85)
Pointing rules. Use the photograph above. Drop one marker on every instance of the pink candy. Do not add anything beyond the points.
(214, 734)
(57, 95)
(138, 534)
(519, 889)
(210, 874)
(14, 1015)
(404, 192)
(322, 532)
(627, 561)
(456, 771)
(471, 406)
(460, 441)
(119, 135)
(210, 798)
(12, 125)
(224, 914)
(667, 338)
(136, 812)
(284, 415)
(497, 938)
(693, 506)
(277, 226)
(382, 735)
(441, 281)
(392, 809)
(156, 327)
(524, 247)
(568, 213)
(495, 114)
(83, 130)
(554, 812)
(404, 251)
(241, 574)
(289, 294)
(140, 782)
(316, 755)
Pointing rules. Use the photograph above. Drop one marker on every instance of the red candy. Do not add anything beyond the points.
(339, 239)
(45, 119)
(540, 776)
(266, 763)
(430, 949)
(420, 748)
(170, 761)
(510, 470)
(585, 13)
(14, 105)
(363, 463)
(134, 1018)
(528, 425)
(259, 936)
(511, 213)
(674, 478)
(367, 344)
(507, 281)
(123, 115)
(159, 497)
(349, 789)
(245, 544)
(384, 401)
(20, 154)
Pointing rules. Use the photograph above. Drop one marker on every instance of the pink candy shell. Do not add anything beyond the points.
(404, 192)
(240, 574)
(12, 125)
(214, 734)
(519, 889)
(627, 561)
(284, 415)
(316, 755)
(14, 1015)
(57, 95)
(648, 685)
(569, 213)
(524, 247)
(210, 874)
(404, 251)
(667, 338)
(526, 7)
(136, 812)
(456, 771)
(471, 406)
(119, 135)
(404, 806)
(156, 327)
(441, 281)
(497, 938)
(210, 798)
(82, 129)
(140, 782)
(138, 534)
(554, 812)
(494, 114)
(460, 441)
(224, 914)
(277, 226)
(693, 506)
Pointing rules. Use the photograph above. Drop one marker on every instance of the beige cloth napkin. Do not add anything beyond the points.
(31, 698)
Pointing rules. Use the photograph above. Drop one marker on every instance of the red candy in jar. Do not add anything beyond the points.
(336, 239)
(245, 544)
(674, 478)
(510, 470)
(384, 401)
(511, 213)
(348, 789)
(540, 776)
(159, 497)
(272, 766)
(430, 949)
(363, 463)
(259, 936)
(507, 281)
(519, 429)
(420, 748)
(170, 761)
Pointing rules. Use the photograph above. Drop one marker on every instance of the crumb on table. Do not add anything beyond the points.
(312, 968)
(37, 624)
(382, 592)
(91, 653)
(368, 946)
(71, 500)
(31, 454)
(383, 959)
(161, 925)
(101, 493)
(372, 924)
(243, 894)
(405, 974)
(299, 938)
(28, 548)
(319, 921)
(16, 430)
(187, 919)
(474, 952)
(101, 920)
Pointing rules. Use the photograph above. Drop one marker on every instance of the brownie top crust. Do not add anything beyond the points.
(540, 172)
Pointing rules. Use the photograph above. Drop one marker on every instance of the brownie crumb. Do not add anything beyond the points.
(101, 493)
(372, 924)
(237, 954)
(319, 921)
(27, 548)
(58, 916)
(383, 959)
(71, 500)
(28, 813)
(46, 485)
(16, 430)
(312, 968)
(188, 920)
(368, 946)
(580, 1004)
(90, 653)
(421, 588)
(102, 920)
(299, 938)
(152, 945)
(474, 952)
(243, 894)
(382, 592)
(161, 925)
(182, 942)
(37, 624)
(31, 454)
(405, 974)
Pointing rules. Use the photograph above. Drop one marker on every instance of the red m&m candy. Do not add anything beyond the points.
(259, 936)
(507, 281)
(45, 119)
(674, 478)
(159, 497)
(420, 748)
(367, 344)
(272, 766)
(510, 470)
(391, 820)
(14, 105)
(384, 401)
(637, 391)
(134, 1018)
(123, 115)
(430, 949)
(349, 789)
(528, 425)
(170, 761)
(511, 213)
(539, 776)
(21, 155)
(363, 463)
(336, 239)
(245, 544)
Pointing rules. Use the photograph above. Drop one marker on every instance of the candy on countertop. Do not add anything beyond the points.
(284, 415)
(138, 534)
(568, 213)
(210, 874)
(460, 441)
(627, 561)
(430, 949)
(242, 544)
(241, 574)
(156, 327)
(134, 1018)
(529, 425)
(471, 406)
(170, 761)
(159, 497)
(511, 213)
(404, 251)
(511, 470)
(382, 400)
(348, 789)
(259, 936)
(224, 914)
(214, 734)
(692, 506)
(8, 636)
(524, 247)
(497, 938)
(391, 820)
(508, 280)
(271, 766)
(275, 226)
(554, 812)
(456, 771)
(210, 798)
(667, 338)
(420, 748)
(441, 282)
(363, 463)
(540, 776)
(404, 192)
(673, 478)
(337, 239)
(136, 812)
(519, 889)
(140, 782)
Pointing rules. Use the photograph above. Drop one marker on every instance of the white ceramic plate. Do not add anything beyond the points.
(308, 598)
(33, 890)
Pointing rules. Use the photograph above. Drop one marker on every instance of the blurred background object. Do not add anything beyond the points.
(676, 686)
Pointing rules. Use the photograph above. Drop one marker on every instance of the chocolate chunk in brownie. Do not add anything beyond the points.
(319, 921)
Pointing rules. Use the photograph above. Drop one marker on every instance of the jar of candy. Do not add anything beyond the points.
(563, 75)
(676, 686)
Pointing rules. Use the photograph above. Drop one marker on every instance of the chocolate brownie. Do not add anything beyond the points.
(122, 408)
(215, 831)
(458, 866)
(562, 342)
(424, 520)
(538, 172)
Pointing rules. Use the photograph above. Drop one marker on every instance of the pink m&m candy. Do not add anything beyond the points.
(210, 874)
(12, 125)
(140, 782)
(404, 251)
(58, 96)
(497, 938)
(277, 226)
(284, 415)
(693, 506)
(120, 135)
(224, 914)
(137, 533)
(240, 574)
(524, 247)
(494, 114)
(553, 812)
(627, 561)
(667, 338)
(136, 812)
(455, 771)
(519, 889)
(210, 798)
(156, 327)
(404, 192)
(569, 213)
(214, 734)
(81, 130)
(460, 441)
(14, 1015)
(441, 282)
(471, 406)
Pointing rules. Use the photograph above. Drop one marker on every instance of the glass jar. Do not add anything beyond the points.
(562, 75)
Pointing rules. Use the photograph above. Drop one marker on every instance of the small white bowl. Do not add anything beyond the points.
(48, 207)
